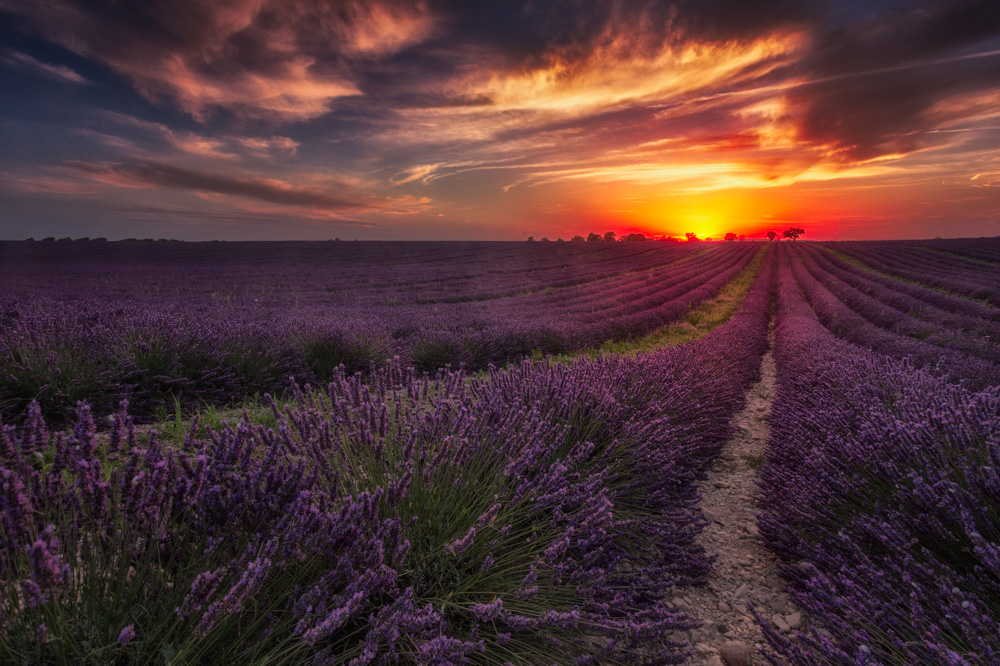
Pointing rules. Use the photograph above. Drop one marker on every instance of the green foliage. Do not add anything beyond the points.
(438, 349)
(54, 376)
(326, 351)
(112, 590)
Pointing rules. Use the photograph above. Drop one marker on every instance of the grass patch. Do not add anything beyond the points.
(696, 323)
(753, 461)
(172, 428)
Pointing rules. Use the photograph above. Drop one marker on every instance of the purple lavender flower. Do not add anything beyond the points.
(127, 635)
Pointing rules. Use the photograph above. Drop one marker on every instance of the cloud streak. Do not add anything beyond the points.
(141, 174)
(57, 72)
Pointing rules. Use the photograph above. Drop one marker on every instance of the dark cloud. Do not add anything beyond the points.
(274, 59)
(877, 81)
(271, 191)
(531, 33)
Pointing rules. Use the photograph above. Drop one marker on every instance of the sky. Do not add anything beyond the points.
(498, 119)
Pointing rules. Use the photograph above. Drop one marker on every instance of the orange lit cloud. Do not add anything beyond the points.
(249, 57)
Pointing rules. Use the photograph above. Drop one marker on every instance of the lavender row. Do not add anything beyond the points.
(920, 257)
(60, 346)
(338, 273)
(903, 315)
(964, 277)
(984, 249)
(845, 323)
(881, 493)
(538, 514)
(962, 312)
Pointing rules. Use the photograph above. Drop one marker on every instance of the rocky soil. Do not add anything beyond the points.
(744, 569)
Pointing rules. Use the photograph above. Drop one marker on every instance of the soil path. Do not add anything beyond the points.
(744, 569)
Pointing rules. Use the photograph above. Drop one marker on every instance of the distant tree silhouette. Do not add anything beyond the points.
(671, 239)
(743, 236)
(592, 237)
(578, 238)
(545, 239)
(530, 238)
(634, 237)
(692, 237)
(793, 233)
(730, 236)
(771, 235)
(708, 239)
(609, 236)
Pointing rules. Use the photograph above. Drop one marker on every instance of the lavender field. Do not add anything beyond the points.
(410, 478)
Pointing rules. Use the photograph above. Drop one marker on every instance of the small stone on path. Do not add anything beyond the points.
(735, 653)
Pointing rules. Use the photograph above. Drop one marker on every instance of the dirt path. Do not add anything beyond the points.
(744, 569)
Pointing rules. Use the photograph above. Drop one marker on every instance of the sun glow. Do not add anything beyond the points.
(707, 215)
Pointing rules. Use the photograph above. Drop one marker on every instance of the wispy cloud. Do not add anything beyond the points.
(58, 72)
(151, 174)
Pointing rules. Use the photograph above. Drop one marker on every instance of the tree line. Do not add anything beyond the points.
(689, 237)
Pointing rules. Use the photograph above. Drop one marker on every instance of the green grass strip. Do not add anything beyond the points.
(696, 323)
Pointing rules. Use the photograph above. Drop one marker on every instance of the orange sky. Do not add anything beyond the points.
(260, 119)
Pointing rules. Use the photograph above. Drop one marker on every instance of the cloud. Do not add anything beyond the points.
(220, 146)
(870, 89)
(418, 172)
(269, 59)
(58, 72)
(152, 174)
(269, 147)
